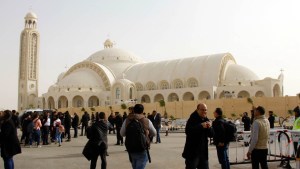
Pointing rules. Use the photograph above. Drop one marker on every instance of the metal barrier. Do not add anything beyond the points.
(279, 145)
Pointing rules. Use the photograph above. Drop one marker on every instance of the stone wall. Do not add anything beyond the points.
(183, 109)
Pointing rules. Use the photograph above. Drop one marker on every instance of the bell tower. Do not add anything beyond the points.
(29, 64)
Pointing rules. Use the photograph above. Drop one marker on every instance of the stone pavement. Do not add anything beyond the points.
(166, 155)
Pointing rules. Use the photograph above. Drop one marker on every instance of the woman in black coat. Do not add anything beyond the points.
(97, 144)
(9, 141)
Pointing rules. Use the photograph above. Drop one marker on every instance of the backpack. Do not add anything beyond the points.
(136, 139)
(230, 131)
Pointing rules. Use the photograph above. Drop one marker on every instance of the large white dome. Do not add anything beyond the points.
(238, 73)
(108, 55)
(114, 59)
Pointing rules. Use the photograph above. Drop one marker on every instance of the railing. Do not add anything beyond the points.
(280, 146)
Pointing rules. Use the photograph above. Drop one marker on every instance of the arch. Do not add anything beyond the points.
(276, 90)
(178, 84)
(94, 67)
(259, 94)
(173, 97)
(139, 86)
(31, 102)
(188, 96)
(118, 93)
(93, 101)
(150, 86)
(44, 102)
(51, 103)
(222, 95)
(192, 82)
(63, 102)
(145, 99)
(243, 94)
(164, 85)
(204, 95)
(131, 92)
(158, 97)
(77, 101)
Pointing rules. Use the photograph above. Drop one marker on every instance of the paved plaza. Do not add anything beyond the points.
(166, 155)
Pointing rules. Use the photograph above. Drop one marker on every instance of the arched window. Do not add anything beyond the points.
(164, 85)
(150, 86)
(130, 93)
(139, 87)
(178, 84)
(118, 93)
(192, 82)
(79, 103)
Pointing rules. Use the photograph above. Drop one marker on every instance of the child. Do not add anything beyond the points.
(59, 130)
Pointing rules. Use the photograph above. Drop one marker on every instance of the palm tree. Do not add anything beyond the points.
(162, 103)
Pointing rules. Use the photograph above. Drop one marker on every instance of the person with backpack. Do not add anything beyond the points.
(137, 129)
(97, 144)
(220, 138)
(198, 129)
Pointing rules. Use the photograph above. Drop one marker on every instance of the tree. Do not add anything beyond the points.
(83, 109)
(123, 106)
(92, 109)
(162, 103)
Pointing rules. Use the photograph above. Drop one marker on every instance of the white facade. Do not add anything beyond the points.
(114, 76)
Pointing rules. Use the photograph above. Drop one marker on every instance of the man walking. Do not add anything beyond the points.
(198, 130)
(138, 159)
(258, 149)
(220, 139)
(75, 123)
(119, 122)
(157, 125)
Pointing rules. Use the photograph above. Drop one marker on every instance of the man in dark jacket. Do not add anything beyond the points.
(220, 139)
(75, 123)
(67, 125)
(157, 125)
(198, 130)
(85, 122)
(247, 121)
(119, 122)
(97, 144)
(271, 119)
(9, 141)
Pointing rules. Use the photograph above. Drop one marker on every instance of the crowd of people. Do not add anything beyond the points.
(41, 129)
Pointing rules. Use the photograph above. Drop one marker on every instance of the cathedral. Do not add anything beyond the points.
(113, 76)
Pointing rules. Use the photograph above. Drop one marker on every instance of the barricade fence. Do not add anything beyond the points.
(280, 147)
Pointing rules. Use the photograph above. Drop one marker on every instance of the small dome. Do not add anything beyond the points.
(81, 78)
(31, 15)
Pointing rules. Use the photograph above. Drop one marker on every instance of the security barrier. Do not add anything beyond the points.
(280, 147)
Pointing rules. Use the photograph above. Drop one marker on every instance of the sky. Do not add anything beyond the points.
(263, 36)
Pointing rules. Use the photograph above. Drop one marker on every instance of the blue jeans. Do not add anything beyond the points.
(8, 163)
(157, 135)
(58, 136)
(139, 160)
(37, 136)
(223, 156)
